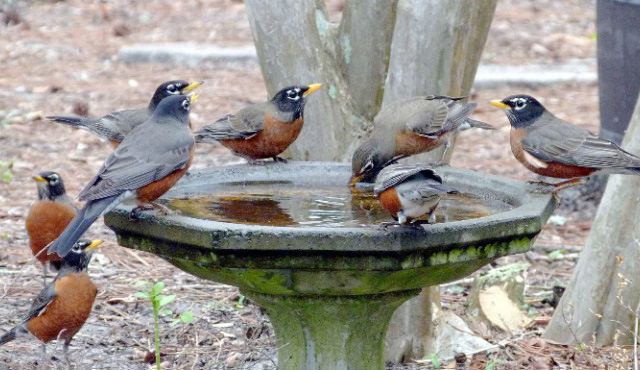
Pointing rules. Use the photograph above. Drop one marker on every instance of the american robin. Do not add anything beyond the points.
(261, 130)
(48, 217)
(63, 306)
(409, 191)
(116, 125)
(148, 162)
(550, 146)
(411, 126)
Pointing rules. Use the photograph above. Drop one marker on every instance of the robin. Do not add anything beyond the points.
(261, 130)
(148, 162)
(409, 191)
(411, 126)
(63, 306)
(48, 217)
(116, 125)
(550, 146)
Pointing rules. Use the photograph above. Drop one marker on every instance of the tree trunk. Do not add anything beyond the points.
(602, 298)
(382, 51)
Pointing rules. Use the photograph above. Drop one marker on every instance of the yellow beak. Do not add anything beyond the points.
(354, 180)
(499, 104)
(311, 88)
(39, 179)
(192, 86)
(193, 97)
(94, 244)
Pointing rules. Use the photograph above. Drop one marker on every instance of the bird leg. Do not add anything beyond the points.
(45, 357)
(568, 184)
(65, 351)
(541, 186)
(447, 144)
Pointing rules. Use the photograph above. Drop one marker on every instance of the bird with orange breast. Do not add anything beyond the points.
(48, 217)
(408, 127)
(63, 306)
(408, 192)
(262, 130)
(148, 162)
(550, 146)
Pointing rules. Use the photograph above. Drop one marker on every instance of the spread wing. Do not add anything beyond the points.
(244, 124)
(396, 174)
(40, 303)
(571, 145)
(151, 152)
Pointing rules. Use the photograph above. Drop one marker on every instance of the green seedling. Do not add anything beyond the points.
(434, 360)
(554, 255)
(152, 292)
(492, 364)
(6, 171)
(240, 303)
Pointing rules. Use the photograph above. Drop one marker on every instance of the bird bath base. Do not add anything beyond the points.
(331, 291)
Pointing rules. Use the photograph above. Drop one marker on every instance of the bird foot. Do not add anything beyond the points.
(281, 160)
(137, 213)
(541, 187)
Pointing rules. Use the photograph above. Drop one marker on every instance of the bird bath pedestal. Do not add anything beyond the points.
(294, 240)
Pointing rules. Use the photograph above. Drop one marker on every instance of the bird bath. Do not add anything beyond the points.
(296, 241)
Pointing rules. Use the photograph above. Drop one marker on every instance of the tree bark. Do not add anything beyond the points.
(600, 303)
(382, 51)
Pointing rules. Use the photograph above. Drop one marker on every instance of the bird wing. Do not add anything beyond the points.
(149, 153)
(395, 174)
(422, 192)
(244, 124)
(116, 125)
(572, 145)
(430, 115)
(40, 303)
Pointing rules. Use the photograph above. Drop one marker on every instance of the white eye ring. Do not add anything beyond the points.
(172, 89)
(53, 178)
(185, 104)
(291, 94)
(520, 103)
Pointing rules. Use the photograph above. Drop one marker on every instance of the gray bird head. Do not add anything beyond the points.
(176, 107)
(170, 88)
(366, 162)
(522, 110)
(50, 185)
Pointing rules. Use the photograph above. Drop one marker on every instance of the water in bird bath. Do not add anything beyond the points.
(280, 203)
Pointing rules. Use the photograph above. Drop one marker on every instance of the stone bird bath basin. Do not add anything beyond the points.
(294, 240)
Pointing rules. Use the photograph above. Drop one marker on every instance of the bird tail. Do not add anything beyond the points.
(8, 336)
(479, 124)
(80, 223)
(67, 120)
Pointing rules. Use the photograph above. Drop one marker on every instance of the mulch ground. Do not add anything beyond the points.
(59, 58)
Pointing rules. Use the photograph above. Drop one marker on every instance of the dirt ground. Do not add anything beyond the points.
(59, 57)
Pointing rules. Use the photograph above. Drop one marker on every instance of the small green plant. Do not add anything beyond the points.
(554, 255)
(492, 364)
(240, 304)
(152, 292)
(6, 171)
(434, 360)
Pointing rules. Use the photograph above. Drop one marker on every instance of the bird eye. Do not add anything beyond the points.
(291, 94)
(53, 178)
(185, 104)
(76, 248)
(171, 89)
(520, 103)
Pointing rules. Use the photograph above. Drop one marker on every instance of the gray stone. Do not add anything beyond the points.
(190, 54)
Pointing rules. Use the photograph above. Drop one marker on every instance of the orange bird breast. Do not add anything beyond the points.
(536, 165)
(274, 139)
(45, 222)
(156, 189)
(408, 143)
(390, 201)
(68, 311)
